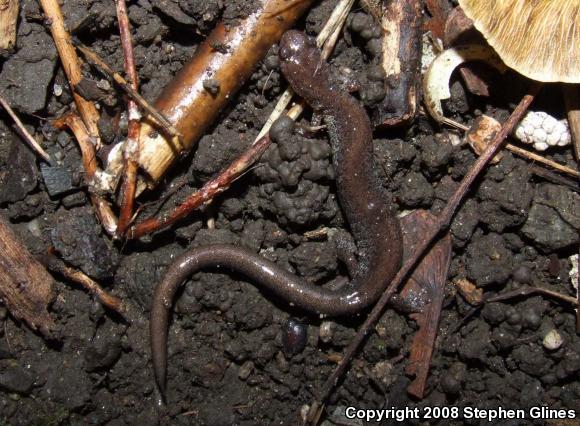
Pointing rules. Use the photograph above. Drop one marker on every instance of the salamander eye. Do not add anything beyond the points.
(291, 44)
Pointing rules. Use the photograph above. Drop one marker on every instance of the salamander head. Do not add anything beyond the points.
(303, 66)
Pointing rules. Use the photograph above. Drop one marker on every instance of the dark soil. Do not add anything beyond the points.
(228, 356)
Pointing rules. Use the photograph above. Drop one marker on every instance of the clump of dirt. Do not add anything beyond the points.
(228, 356)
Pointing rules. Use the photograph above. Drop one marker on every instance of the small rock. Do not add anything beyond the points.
(553, 340)
(77, 237)
(245, 370)
(489, 261)
(16, 379)
(21, 177)
(102, 354)
(554, 218)
(382, 372)
(26, 75)
(339, 418)
(57, 179)
(326, 331)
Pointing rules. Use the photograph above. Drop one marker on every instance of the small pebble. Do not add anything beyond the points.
(245, 370)
(382, 372)
(532, 319)
(34, 228)
(513, 317)
(553, 340)
(16, 379)
(450, 385)
(326, 331)
(523, 275)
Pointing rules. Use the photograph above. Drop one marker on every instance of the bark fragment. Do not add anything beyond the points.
(401, 49)
(26, 288)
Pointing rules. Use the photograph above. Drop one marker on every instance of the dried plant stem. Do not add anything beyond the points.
(88, 154)
(186, 100)
(71, 66)
(150, 110)
(54, 264)
(526, 291)
(539, 159)
(8, 19)
(131, 146)
(25, 134)
(211, 188)
(441, 224)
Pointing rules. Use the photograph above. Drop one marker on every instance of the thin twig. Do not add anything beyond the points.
(526, 291)
(25, 134)
(539, 159)
(71, 66)
(89, 157)
(152, 113)
(131, 146)
(211, 188)
(112, 302)
(442, 223)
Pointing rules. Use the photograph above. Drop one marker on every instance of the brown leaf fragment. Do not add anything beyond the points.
(425, 289)
(26, 288)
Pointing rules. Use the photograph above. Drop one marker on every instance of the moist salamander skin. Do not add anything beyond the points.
(375, 228)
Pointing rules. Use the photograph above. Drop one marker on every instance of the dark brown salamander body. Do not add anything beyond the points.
(375, 228)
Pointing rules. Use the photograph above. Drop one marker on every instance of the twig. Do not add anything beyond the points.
(8, 18)
(526, 291)
(152, 113)
(131, 146)
(556, 178)
(25, 134)
(71, 66)
(88, 154)
(539, 159)
(211, 188)
(54, 264)
(442, 223)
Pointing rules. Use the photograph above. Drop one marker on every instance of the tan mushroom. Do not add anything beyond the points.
(538, 38)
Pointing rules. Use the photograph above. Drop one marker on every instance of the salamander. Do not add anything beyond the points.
(369, 213)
